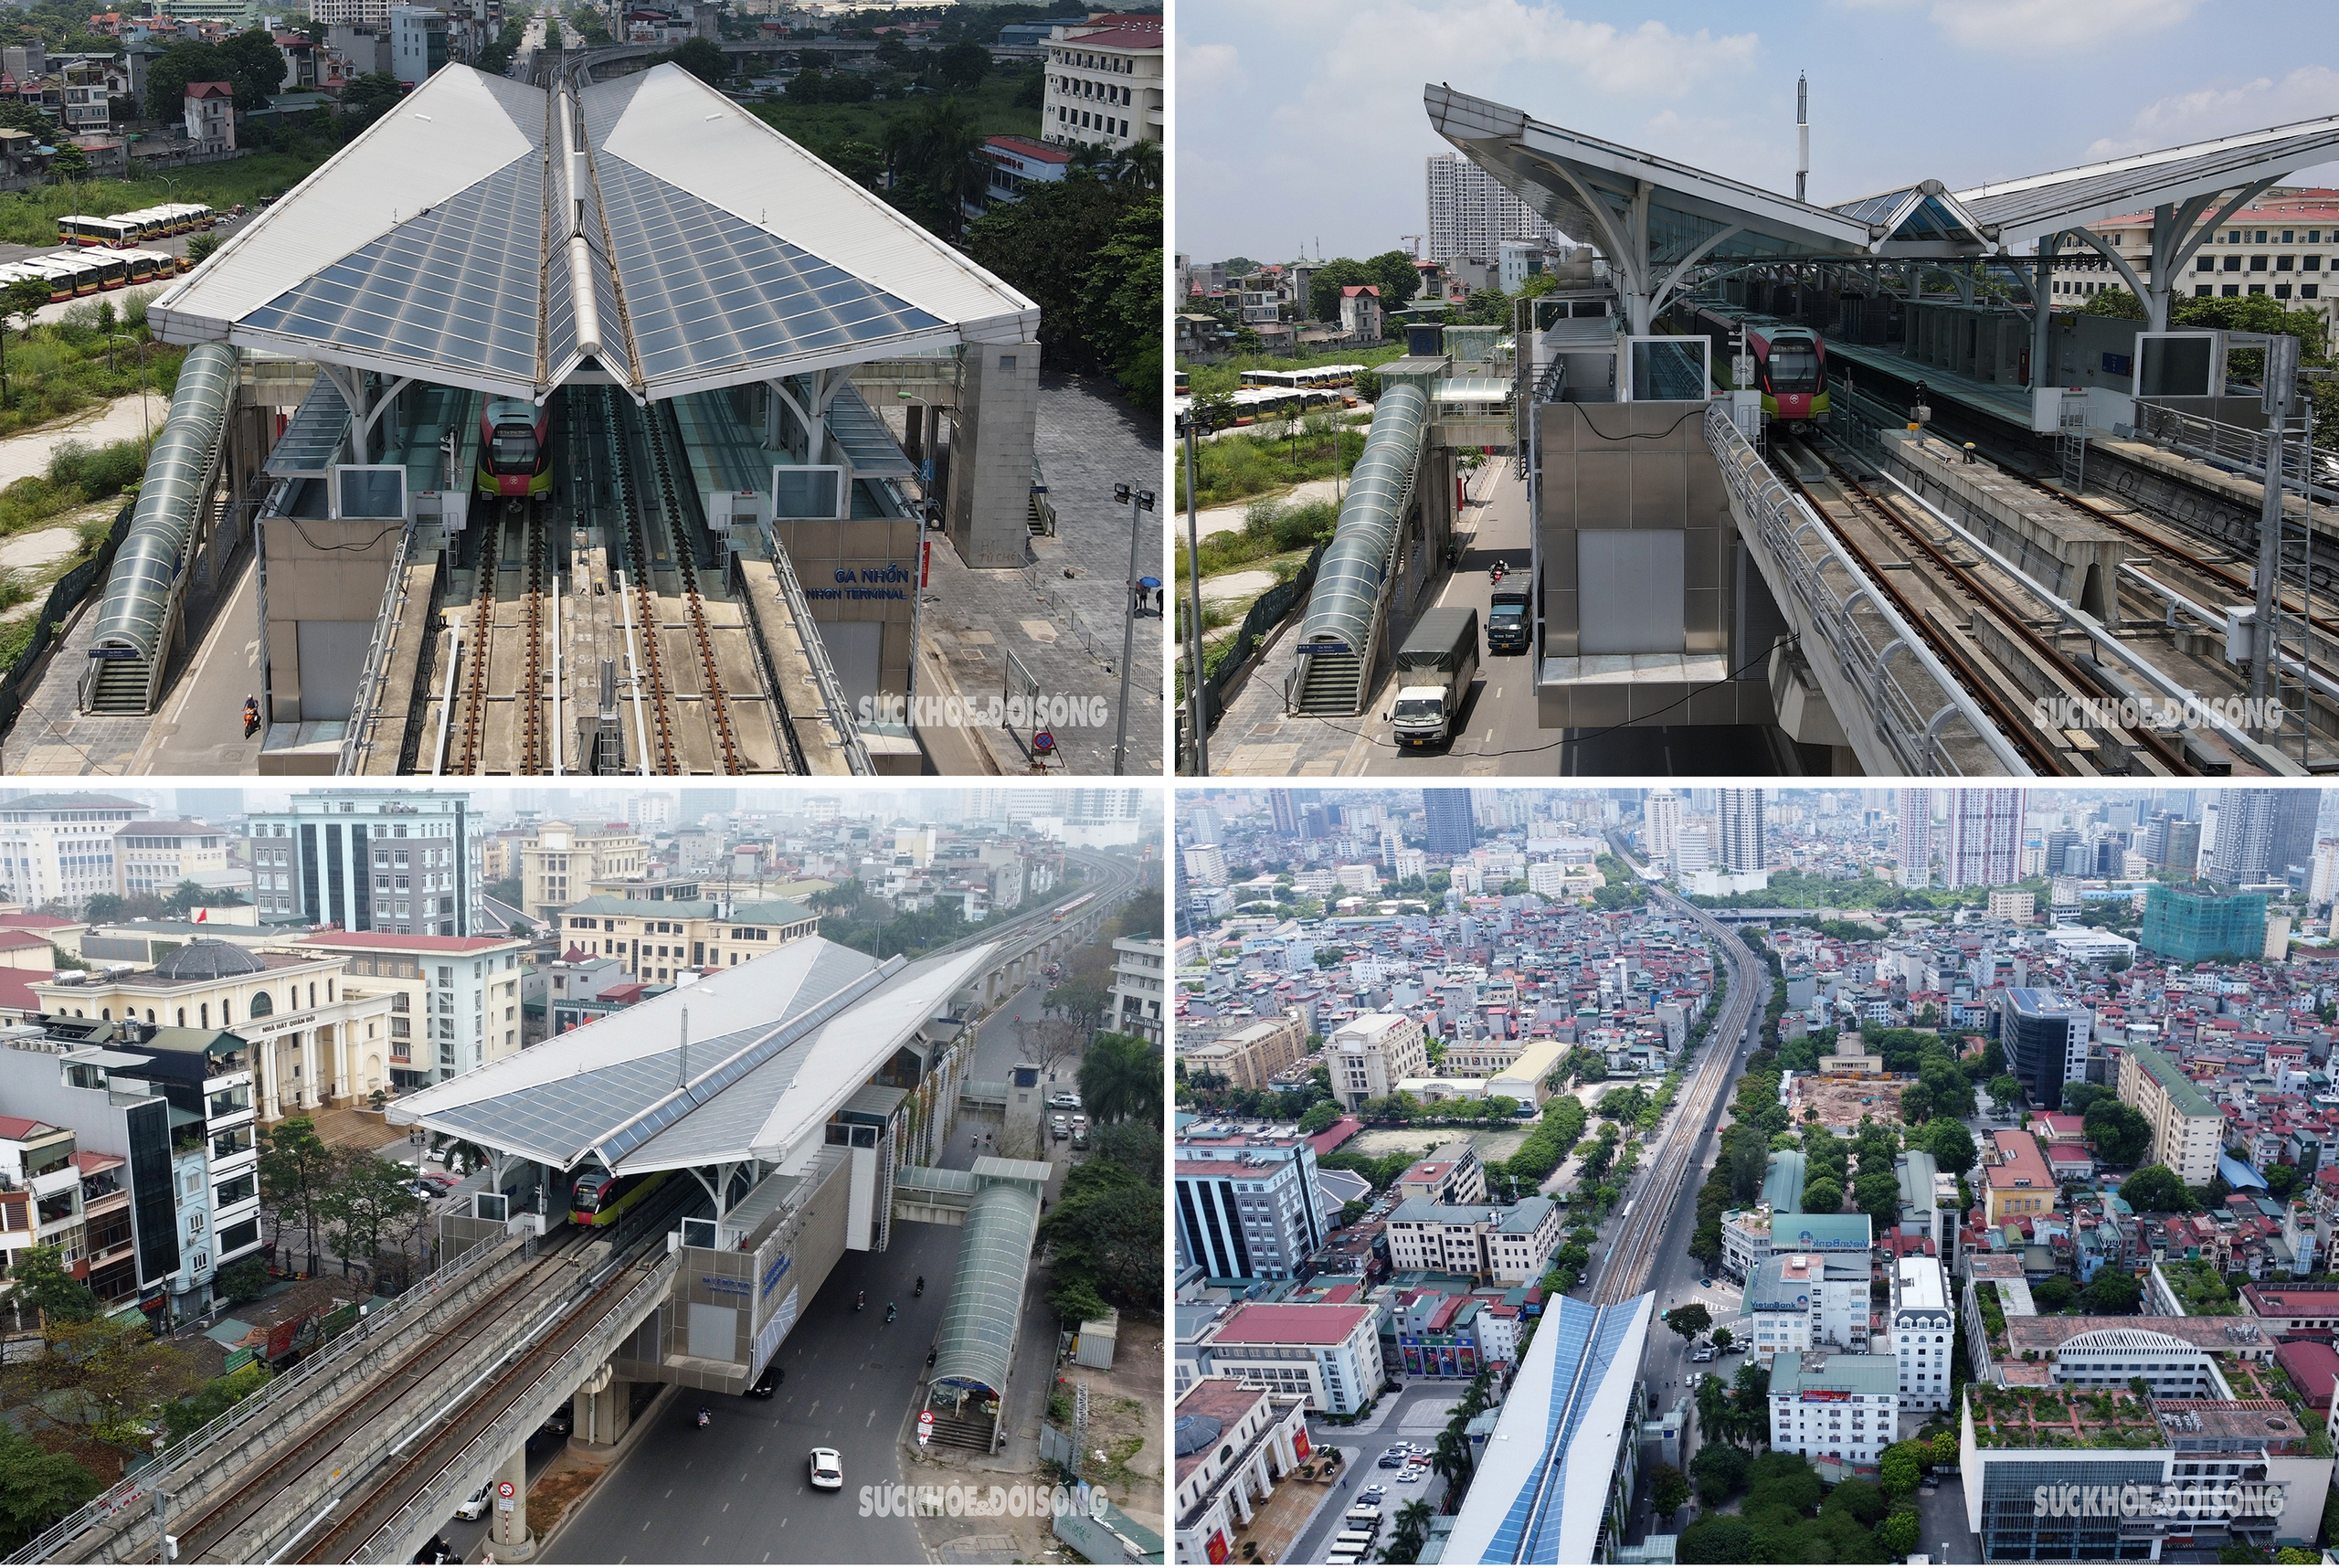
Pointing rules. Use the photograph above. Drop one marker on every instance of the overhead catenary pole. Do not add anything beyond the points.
(1802, 133)
(1194, 571)
(2280, 383)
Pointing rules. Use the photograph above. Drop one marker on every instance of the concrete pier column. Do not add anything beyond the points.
(602, 1409)
(990, 459)
(914, 431)
(509, 1538)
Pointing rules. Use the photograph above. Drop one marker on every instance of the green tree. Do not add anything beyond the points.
(1898, 1534)
(46, 1290)
(1399, 278)
(934, 155)
(168, 74)
(1821, 1197)
(1046, 246)
(1878, 1195)
(703, 58)
(2157, 1189)
(2054, 1293)
(1722, 1337)
(1951, 1145)
(1945, 1448)
(69, 163)
(241, 1282)
(1668, 1489)
(369, 97)
(1719, 1466)
(296, 1176)
(2119, 1133)
(41, 1488)
(1319, 1117)
(1689, 1320)
(1121, 304)
(1720, 1538)
(1897, 1472)
(365, 1203)
(101, 1377)
(1120, 1077)
(2006, 1091)
(963, 65)
(254, 66)
(2114, 1292)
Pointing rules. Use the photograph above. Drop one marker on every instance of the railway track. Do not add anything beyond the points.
(357, 1523)
(685, 558)
(1954, 651)
(651, 670)
(1633, 1250)
(472, 732)
(287, 1470)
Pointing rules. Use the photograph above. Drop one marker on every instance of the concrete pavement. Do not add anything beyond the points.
(1416, 1415)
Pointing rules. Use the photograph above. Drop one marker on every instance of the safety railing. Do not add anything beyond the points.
(129, 1493)
(1913, 730)
(2236, 447)
(824, 674)
(1099, 645)
(426, 1507)
(359, 741)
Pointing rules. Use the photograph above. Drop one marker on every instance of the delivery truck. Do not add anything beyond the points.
(1508, 620)
(1434, 668)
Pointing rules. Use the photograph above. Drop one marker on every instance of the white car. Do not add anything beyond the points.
(473, 1506)
(828, 1469)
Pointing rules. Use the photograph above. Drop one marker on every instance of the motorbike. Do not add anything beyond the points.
(251, 720)
(859, 1301)
(920, 1289)
(704, 1416)
(889, 1311)
(1494, 573)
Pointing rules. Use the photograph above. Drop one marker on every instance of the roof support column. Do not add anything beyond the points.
(2095, 242)
(2183, 238)
(2042, 315)
(362, 434)
(350, 384)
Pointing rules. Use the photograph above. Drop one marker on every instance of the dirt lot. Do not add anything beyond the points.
(1842, 1101)
(1491, 1145)
(1125, 1425)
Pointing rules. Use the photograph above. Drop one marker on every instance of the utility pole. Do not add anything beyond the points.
(2280, 383)
(1802, 133)
(1194, 570)
(1139, 502)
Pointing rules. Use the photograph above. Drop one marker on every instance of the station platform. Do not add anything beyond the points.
(1998, 401)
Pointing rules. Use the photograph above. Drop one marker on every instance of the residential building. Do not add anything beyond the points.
(419, 43)
(2188, 1130)
(1368, 1056)
(1248, 1054)
(1232, 1444)
(2246, 850)
(40, 1190)
(1661, 825)
(1842, 1409)
(561, 863)
(1360, 315)
(369, 860)
(2195, 924)
(2018, 1181)
(658, 938)
(211, 116)
(454, 1000)
(206, 1075)
(60, 849)
(1206, 865)
(2045, 1039)
(1913, 837)
(1449, 827)
(1328, 1356)
(1923, 1332)
(1139, 987)
(1452, 1174)
(135, 1214)
(2008, 904)
(1985, 838)
(1493, 1244)
(1804, 1301)
(1471, 214)
(313, 1041)
(152, 857)
(1105, 82)
(1566, 1442)
(1248, 1204)
(1739, 814)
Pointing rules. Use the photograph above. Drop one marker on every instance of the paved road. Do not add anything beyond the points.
(1416, 1415)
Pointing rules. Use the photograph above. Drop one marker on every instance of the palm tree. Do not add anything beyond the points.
(1121, 1079)
(1451, 1458)
(1412, 1531)
(938, 150)
(1140, 166)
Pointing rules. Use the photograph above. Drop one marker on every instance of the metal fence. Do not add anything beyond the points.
(1100, 645)
(63, 595)
(1266, 613)
(2235, 447)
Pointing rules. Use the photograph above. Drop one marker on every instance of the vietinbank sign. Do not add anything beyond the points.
(2192, 1499)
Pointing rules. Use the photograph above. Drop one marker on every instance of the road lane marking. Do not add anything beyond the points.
(872, 1416)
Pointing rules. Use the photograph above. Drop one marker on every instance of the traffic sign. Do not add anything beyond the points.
(506, 1489)
(925, 1426)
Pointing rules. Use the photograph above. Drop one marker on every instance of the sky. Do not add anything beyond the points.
(1300, 124)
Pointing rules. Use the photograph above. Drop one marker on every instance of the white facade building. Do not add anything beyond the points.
(60, 848)
(1923, 1332)
(1843, 1408)
(1138, 988)
(1370, 1056)
(1104, 83)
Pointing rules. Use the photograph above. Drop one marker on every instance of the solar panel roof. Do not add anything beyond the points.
(437, 245)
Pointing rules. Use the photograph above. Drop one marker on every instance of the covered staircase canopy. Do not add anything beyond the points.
(647, 232)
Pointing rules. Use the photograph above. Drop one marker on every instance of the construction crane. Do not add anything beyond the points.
(1412, 243)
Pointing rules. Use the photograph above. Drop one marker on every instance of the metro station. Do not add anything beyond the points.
(553, 415)
(1843, 489)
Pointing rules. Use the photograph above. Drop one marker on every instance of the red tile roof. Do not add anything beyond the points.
(1265, 1323)
(382, 942)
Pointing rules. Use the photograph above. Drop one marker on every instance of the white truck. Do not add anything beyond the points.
(1434, 667)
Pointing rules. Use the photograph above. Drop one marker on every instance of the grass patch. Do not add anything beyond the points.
(1270, 527)
(1233, 467)
(64, 366)
(29, 217)
(818, 126)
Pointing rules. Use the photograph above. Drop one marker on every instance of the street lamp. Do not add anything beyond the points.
(1138, 500)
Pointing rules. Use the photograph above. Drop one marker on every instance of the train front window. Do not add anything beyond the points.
(1794, 368)
(515, 449)
(589, 1195)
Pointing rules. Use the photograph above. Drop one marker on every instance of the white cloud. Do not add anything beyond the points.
(2026, 27)
(2310, 92)
(1211, 68)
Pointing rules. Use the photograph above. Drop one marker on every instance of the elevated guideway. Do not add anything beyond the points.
(821, 1083)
